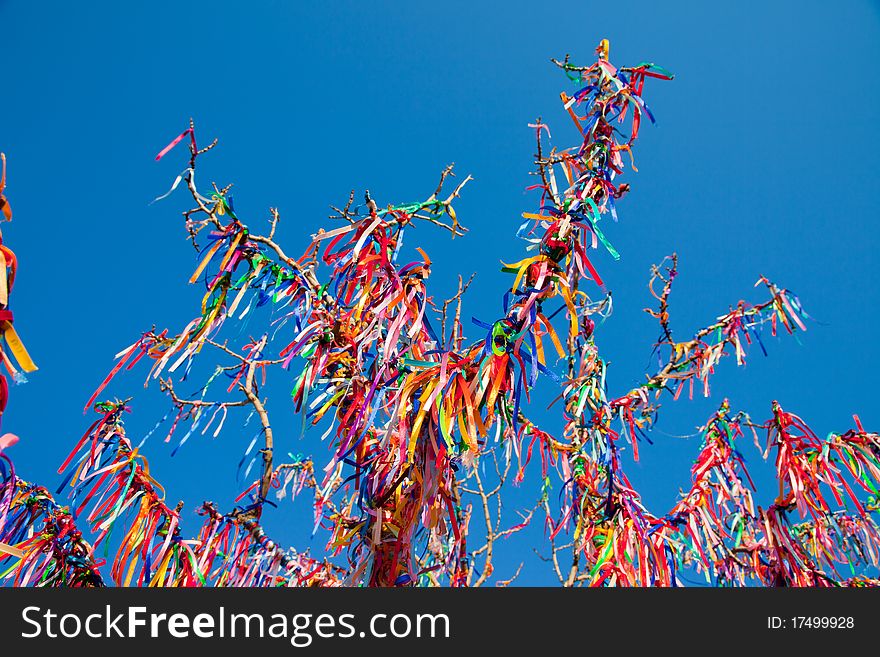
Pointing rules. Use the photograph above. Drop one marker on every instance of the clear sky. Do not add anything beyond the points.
(763, 161)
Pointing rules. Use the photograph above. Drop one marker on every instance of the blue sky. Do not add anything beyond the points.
(763, 162)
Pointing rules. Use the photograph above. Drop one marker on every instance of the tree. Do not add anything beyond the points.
(416, 410)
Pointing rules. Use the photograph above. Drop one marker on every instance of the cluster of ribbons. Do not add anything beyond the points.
(40, 544)
(39, 536)
(818, 480)
(8, 265)
(233, 550)
(617, 541)
(112, 488)
(709, 522)
(816, 533)
(111, 485)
